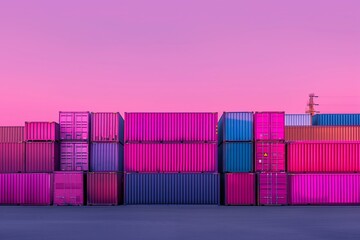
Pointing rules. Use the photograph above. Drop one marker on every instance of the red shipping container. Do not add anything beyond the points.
(107, 127)
(272, 189)
(322, 133)
(74, 126)
(105, 188)
(74, 156)
(269, 126)
(239, 189)
(69, 188)
(41, 131)
(12, 134)
(269, 157)
(42, 156)
(323, 157)
(12, 157)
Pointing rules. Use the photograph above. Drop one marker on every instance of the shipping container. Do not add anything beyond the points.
(42, 157)
(12, 157)
(41, 131)
(106, 157)
(172, 188)
(171, 127)
(323, 157)
(105, 188)
(236, 157)
(238, 189)
(11, 134)
(74, 126)
(107, 127)
(69, 188)
(269, 157)
(272, 189)
(236, 126)
(26, 189)
(166, 157)
(336, 119)
(322, 133)
(269, 126)
(297, 120)
(74, 156)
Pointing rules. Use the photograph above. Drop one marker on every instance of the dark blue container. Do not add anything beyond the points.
(336, 119)
(236, 157)
(236, 126)
(106, 157)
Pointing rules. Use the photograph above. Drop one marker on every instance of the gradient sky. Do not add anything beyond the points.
(177, 55)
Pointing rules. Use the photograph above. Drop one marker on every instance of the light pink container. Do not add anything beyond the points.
(239, 189)
(165, 157)
(323, 157)
(41, 131)
(12, 157)
(105, 188)
(272, 189)
(74, 156)
(269, 157)
(324, 189)
(171, 127)
(26, 189)
(74, 126)
(69, 188)
(269, 126)
(13, 134)
(107, 127)
(42, 157)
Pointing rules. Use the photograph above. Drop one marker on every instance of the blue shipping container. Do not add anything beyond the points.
(106, 157)
(236, 126)
(172, 188)
(336, 120)
(297, 120)
(236, 157)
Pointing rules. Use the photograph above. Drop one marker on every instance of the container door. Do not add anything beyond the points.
(263, 156)
(60, 189)
(277, 126)
(81, 127)
(75, 190)
(66, 126)
(279, 181)
(263, 126)
(67, 156)
(81, 157)
(277, 157)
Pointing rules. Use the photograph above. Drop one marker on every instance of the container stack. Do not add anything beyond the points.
(171, 158)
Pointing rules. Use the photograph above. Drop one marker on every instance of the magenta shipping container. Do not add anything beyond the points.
(74, 126)
(107, 127)
(69, 188)
(42, 156)
(104, 188)
(74, 156)
(269, 126)
(238, 189)
(323, 157)
(41, 131)
(324, 189)
(272, 189)
(12, 157)
(26, 189)
(269, 157)
(165, 157)
(12, 134)
(171, 127)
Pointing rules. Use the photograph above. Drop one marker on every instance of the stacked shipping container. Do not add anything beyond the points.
(12, 150)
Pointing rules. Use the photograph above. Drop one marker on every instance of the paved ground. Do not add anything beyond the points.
(179, 222)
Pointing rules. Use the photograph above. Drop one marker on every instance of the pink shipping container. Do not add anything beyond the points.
(171, 127)
(324, 189)
(105, 188)
(269, 126)
(13, 134)
(42, 156)
(26, 189)
(269, 157)
(239, 189)
(323, 157)
(41, 131)
(74, 156)
(12, 157)
(322, 133)
(272, 189)
(107, 127)
(74, 126)
(69, 188)
(165, 157)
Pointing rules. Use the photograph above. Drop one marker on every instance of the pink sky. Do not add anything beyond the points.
(178, 55)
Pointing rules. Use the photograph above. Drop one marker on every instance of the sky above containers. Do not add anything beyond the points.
(177, 56)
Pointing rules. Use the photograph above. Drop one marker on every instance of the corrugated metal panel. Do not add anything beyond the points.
(69, 188)
(171, 188)
(12, 157)
(336, 119)
(74, 126)
(238, 189)
(107, 127)
(42, 157)
(236, 157)
(272, 189)
(323, 157)
(164, 157)
(171, 127)
(74, 156)
(297, 120)
(13, 134)
(104, 188)
(41, 131)
(236, 126)
(106, 157)
(322, 133)
(269, 126)
(269, 157)
(324, 189)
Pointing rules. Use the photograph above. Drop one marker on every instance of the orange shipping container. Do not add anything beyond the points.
(322, 133)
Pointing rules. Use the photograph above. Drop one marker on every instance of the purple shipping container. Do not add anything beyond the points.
(41, 131)
(107, 157)
(171, 127)
(13, 134)
(238, 189)
(74, 126)
(105, 188)
(26, 189)
(42, 156)
(69, 188)
(272, 189)
(269, 157)
(165, 157)
(74, 156)
(107, 127)
(269, 126)
(12, 157)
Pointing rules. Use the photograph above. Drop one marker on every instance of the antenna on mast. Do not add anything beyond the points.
(311, 104)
